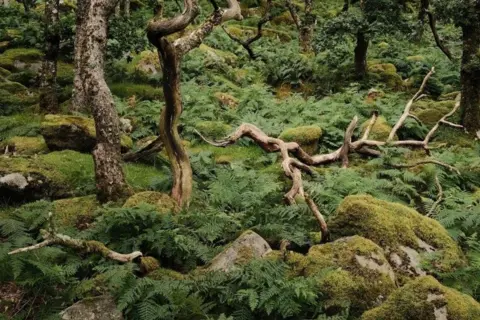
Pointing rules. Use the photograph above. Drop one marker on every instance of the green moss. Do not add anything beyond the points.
(13, 87)
(350, 270)
(213, 129)
(163, 203)
(140, 91)
(15, 102)
(392, 225)
(27, 145)
(226, 99)
(163, 273)
(420, 298)
(75, 212)
(383, 45)
(65, 74)
(228, 155)
(149, 264)
(429, 111)
(307, 137)
(386, 73)
(20, 124)
(4, 73)
(26, 77)
(380, 130)
(416, 58)
(8, 58)
(94, 246)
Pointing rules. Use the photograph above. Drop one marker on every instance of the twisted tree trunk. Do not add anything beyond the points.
(170, 55)
(48, 76)
(361, 50)
(79, 102)
(109, 175)
(470, 76)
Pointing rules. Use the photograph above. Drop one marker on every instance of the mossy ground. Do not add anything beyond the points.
(26, 145)
(412, 302)
(8, 57)
(163, 202)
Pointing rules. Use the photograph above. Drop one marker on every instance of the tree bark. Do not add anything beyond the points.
(361, 55)
(180, 163)
(110, 180)
(470, 76)
(306, 30)
(126, 8)
(48, 76)
(79, 101)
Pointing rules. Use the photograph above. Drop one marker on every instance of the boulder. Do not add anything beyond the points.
(247, 247)
(380, 130)
(214, 129)
(97, 308)
(21, 59)
(386, 73)
(162, 202)
(307, 137)
(23, 186)
(73, 132)
(24, 145)
(402, 232)
(351, 270)
(425, 299)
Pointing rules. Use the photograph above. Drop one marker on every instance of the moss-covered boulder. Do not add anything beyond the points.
(244, 249)
(21, 59)
(24, 145)
(425, 299)
(75, 212)
(73, 132)
(213, 129)
(402, 232)
(307, 137)
(351, 270)
(96, 308)
(163, 202)
(163, 273)
(380, 130)
(386, 73)
(430, 111)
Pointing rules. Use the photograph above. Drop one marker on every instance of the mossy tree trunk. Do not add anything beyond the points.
(109, 176)
(361, 50)
(306, 29)
(470, 75)
(48, 76)
(79, 102)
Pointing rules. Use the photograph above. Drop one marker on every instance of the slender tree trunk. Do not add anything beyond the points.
(126, 8)
(79, 101)
(117, 9)
(109, 175)
(26, 7)
(179, 161)
(361, 55)
(470, 76)
(6, 3)
(306, 29)
(48, 76)
(422, 13)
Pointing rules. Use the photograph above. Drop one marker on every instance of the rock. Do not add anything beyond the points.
(73, 132)
(163, 202)
(214, 129)
(126, 125)
(245, 248)
(307, 137)
(97, 308)
(21, 186)
(351, 269)
(386, 73)
(402, 232)
(425, 299)
(430, 111)
(24, 145)
(380, 130)
(21, 59)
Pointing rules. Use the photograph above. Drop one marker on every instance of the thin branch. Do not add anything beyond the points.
(51, 237)
(438, 41)
(443, 120)
(406, 111)
(372, 122)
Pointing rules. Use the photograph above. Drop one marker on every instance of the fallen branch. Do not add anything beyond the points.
(51, 237)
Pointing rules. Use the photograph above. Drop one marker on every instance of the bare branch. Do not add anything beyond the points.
(372, 122)
(442, 120)
(406, 111)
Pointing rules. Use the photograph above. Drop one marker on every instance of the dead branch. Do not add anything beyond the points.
(153, 147)
(248, 42)
(439, 197)
(51, 237)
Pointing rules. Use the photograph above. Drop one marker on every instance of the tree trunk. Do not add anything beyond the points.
(126, 8)
(361, 55)
(6, 3)
(179, 161)
(422, 13)
(470, 76)
(48, 76)
(306, 29)
(109, 175)
(79, 102)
